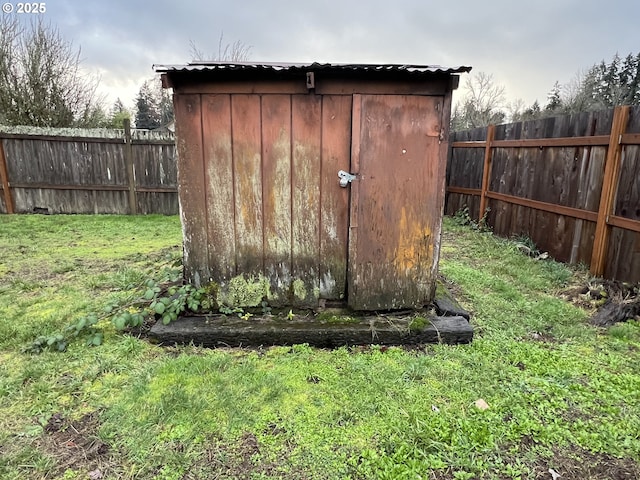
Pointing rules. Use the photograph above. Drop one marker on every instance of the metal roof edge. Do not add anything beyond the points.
(210, 66)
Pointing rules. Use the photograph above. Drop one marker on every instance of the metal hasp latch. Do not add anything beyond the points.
(345, 178)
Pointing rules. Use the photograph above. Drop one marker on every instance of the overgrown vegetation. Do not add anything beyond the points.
(463, 218)
(561, 394)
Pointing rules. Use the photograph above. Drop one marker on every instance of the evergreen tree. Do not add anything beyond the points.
(606, 85)
(627, 71)
(154, 105)
(633, 95)
(165, 105)
(147, 113)
(554, 100)
(533, 112)
(118, 115)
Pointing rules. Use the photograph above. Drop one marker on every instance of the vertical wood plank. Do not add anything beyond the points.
(247, 163)
(486, 169)
(444, 109)
(306, 124)
(218, 169)
(609, 187)
(276, 171)
(628, 199)
(334, 200)
(188, 112)
(131, 172)
(353, 280)
(623, 257)
(4, 178)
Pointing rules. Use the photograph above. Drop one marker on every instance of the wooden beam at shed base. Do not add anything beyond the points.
(221, 331)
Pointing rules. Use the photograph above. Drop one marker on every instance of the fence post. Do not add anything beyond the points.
(128, 158)
(4, 178)
(491, 133)
(609, 190)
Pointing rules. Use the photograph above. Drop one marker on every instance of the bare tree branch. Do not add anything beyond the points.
(41, 82)
(227, 52)
(482, 104)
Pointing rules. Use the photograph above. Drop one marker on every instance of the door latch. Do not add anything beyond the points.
(345, 178)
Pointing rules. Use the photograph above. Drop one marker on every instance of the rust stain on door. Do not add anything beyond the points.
(394, 213)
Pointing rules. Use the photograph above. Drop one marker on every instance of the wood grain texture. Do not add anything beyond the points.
(188, 112)
(627, 202)
(88, 175)
(334, 202)
(305, 191)
(609, 188)
(464, 169)
(396, 215)
(4, 182)
(324, 86)
(220, 331)
(623, 255)
(551, 194)
(276, 158)
(219, 182)
(131, 171)
(486, 170)
(247, 162)
(444, 110)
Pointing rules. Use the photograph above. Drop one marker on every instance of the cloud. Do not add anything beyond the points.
(527, 46)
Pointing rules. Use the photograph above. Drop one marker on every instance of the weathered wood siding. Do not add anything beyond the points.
(259, 211)
(552, 193)
(263, 211)
(77, 174)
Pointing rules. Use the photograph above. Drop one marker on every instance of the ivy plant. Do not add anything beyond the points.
(164, 300)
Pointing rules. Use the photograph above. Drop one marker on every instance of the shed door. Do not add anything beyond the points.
(395, 211)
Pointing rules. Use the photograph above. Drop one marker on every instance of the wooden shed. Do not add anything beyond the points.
(308, 184)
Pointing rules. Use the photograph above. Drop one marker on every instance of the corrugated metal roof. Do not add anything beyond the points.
(277, 66)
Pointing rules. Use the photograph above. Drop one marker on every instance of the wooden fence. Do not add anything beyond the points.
(130, 172)
(571, 184)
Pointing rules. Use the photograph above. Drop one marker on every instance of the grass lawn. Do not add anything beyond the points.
(561, 394)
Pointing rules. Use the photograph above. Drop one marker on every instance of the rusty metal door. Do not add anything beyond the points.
(395, 213)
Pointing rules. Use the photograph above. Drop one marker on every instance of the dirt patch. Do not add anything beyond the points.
(244, 460)
(75, 445)
(571, 463)
(574, 463)
(543, 337)
(609, 301)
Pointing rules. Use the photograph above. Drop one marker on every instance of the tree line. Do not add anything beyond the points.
(603, 85)
(42, 83)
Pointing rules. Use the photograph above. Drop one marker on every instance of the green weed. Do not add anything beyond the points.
(560, 393)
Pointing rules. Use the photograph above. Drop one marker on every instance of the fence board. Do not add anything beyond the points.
(628, 198)
(62, 172)
(547, 181)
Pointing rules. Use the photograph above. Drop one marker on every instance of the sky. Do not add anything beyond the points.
(526, 46)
